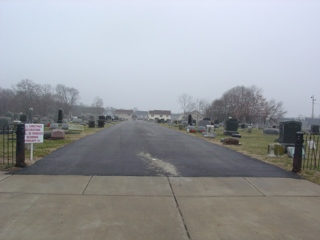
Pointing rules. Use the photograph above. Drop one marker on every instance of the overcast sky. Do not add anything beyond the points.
(145, 54)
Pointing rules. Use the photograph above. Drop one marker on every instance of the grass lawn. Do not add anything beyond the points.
(255, 144)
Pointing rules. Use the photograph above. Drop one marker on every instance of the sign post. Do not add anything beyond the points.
(33, 134)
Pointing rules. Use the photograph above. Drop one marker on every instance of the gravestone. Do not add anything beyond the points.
(46, 135)
(204, 123)
(271, 131)
(60, 116)
(65, 126)
(210, 132)
(189, 120)
(102, 117)
(77, 120)
(4, 124)
(101, 123)
(315, 129)
(9, 115)
(231, 126)
(249, 129)
(287, 132)
(91, 124)
(54, 125)
(57, 134)
(23, 118)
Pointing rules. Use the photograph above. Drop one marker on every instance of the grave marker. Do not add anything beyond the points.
(57, 134)
(287, 132)
(231, 126)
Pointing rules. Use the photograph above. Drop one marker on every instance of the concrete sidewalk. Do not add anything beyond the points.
(96, 207)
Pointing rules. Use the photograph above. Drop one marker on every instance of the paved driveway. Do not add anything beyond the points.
(136, 148)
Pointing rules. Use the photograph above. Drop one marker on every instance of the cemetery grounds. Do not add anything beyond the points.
(254, 144)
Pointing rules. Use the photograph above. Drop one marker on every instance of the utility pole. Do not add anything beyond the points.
(312, 105)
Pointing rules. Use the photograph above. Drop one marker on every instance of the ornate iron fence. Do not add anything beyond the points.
(8, 145)
(311, 152)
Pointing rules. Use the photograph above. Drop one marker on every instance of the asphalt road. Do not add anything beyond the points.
(136, 148)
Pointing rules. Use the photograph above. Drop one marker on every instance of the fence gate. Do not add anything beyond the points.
(311, 152)
(8, 145)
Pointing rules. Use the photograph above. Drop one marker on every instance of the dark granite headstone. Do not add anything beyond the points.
(315, 129)
(287, 132)
(190, 120)
(23, 118)
(91, 124)
(101, 123)
(231, 126)
(60, 116)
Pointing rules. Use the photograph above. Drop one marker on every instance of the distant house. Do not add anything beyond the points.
(159, 114)
(141, 115)
(123, 114)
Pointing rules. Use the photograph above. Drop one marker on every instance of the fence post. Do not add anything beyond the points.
(20, 150)
(297, 158)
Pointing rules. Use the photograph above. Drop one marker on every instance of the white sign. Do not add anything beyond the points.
(34, 133)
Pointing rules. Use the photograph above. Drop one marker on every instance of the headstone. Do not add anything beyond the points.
(57, 134)
(102, 117)
(231, 126)
(4, 124)
(249, 128)
(204, 123)
(9, 115)
(101, 123)
(287, 132)
(65, 126)
(275, 149)
(315, 129)
(77, 120)
(54, 125)
(60, 116)
(190, 120)
(46, 135)
(91, 118)
(271, 131)
(91, 124)
(23, 118)
(210, 132)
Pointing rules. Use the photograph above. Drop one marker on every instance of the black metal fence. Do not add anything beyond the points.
(311, 158)
(8, 145)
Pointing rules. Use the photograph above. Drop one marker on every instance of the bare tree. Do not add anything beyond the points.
(6, 101)
(273, 111)
(66, 97)
(27, 95)
(186, 103)
(98, 106)
(246, 104)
